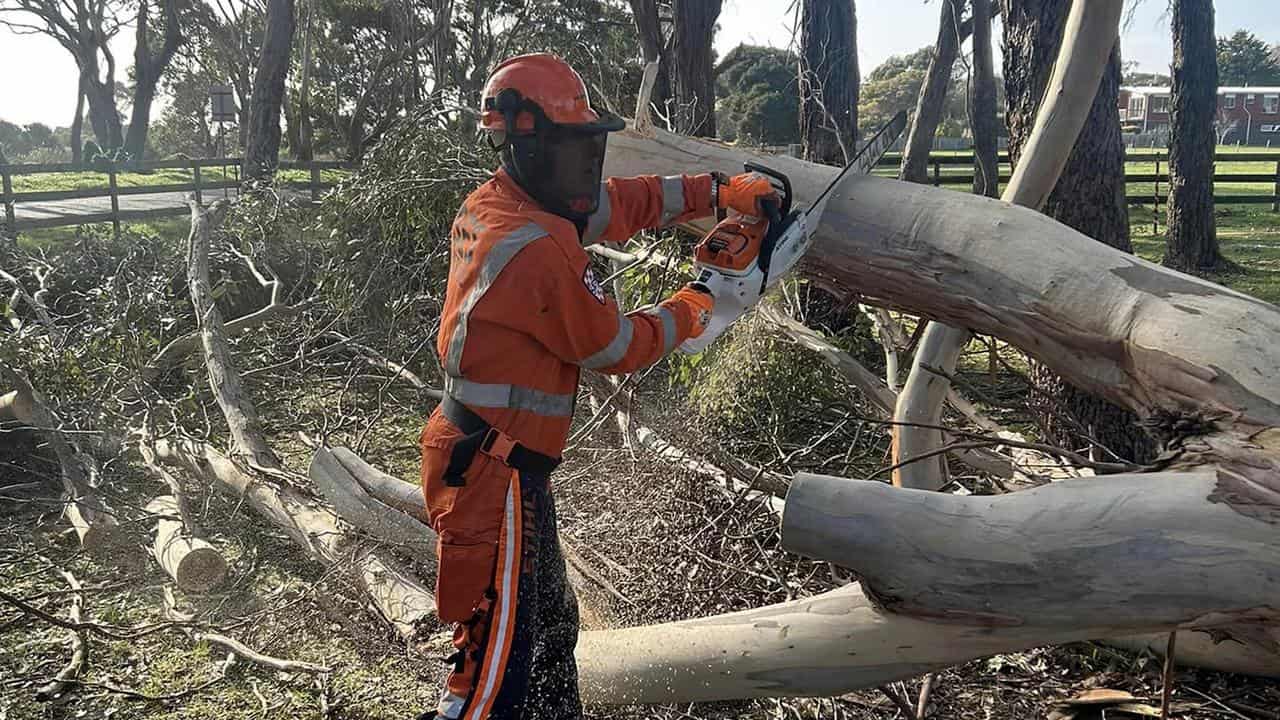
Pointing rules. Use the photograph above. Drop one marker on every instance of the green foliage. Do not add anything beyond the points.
(389, 224)
(894, 85)
(756, 392)
(1244, 59)
(759, 102)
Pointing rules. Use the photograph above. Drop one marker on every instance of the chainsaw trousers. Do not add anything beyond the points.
(515, 652)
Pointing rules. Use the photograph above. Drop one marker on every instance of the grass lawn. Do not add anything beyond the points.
(1249, 235)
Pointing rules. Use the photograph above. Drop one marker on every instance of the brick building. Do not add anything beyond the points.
(1246, 115)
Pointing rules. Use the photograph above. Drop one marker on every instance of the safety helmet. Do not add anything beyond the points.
(537, 114)
(529, 90)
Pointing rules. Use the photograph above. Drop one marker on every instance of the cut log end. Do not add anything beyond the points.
(199, 570)
(194, 564)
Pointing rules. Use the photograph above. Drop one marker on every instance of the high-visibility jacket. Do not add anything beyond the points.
(524, 312)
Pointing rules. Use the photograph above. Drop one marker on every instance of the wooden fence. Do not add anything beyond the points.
(1158, 178)
(110, 188)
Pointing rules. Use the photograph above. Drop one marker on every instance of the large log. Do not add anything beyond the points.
(1125, 550)
(1176, 349)
(825, 645)
(1195, 358)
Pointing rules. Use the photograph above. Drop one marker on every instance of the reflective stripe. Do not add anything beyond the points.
(599, 220)
(507, 589)
(612, 353)
(668, 326)
(494, 261)
(672, 198)
(515, 397)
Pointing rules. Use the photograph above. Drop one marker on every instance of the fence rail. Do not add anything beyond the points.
(113, 190)
(1159, 179)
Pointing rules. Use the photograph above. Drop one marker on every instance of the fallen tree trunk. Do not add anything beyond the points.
(1125, 550)
(193, 563)
(1014, 586)
(1171, 347)
(825, 645)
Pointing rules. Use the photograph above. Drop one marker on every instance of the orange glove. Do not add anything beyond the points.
(699, 302)
(744, 193)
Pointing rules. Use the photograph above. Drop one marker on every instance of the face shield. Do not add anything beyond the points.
(562, 169)
(575, 164)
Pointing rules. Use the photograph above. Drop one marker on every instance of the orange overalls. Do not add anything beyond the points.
(523, 314)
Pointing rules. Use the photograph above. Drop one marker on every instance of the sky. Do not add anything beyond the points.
(38, 77)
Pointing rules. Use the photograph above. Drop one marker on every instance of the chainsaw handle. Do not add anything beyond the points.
(774, 213)
(786, 185)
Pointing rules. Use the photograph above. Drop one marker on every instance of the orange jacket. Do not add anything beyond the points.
(523, 311)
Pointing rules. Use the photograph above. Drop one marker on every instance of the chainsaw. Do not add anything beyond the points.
(743, 256)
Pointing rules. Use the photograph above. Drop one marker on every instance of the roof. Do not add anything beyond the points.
(1235, 90)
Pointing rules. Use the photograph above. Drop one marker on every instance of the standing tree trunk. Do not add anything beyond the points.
(412, 79)
(262, 147)
(652, 45)
(104, 117)
(77, 127)
(147, 69)
(694, 85)
(304, 150)
(986, 148)
(1089, 197)
(829, 80)
(933, 94)
(1193, 237)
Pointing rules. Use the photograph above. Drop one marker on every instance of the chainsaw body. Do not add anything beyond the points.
(743, 256)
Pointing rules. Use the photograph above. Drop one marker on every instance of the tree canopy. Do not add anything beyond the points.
(758, 101)
(1245, 59)
(895, 83)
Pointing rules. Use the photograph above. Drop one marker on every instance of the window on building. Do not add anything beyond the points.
(1137, 104)
(1270, 104)
(1229, 102)
(1248, 99)
(1159, 104)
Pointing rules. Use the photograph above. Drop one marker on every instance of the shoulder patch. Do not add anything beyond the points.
(593, 285)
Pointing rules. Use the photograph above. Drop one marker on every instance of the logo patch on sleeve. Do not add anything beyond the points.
(593, 285)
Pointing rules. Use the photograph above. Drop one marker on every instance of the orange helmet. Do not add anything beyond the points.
(538, 90)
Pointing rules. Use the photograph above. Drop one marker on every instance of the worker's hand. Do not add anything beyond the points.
(698, 298)
(744, 193)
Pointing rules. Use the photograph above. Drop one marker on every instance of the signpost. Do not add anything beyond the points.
(222, 105)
